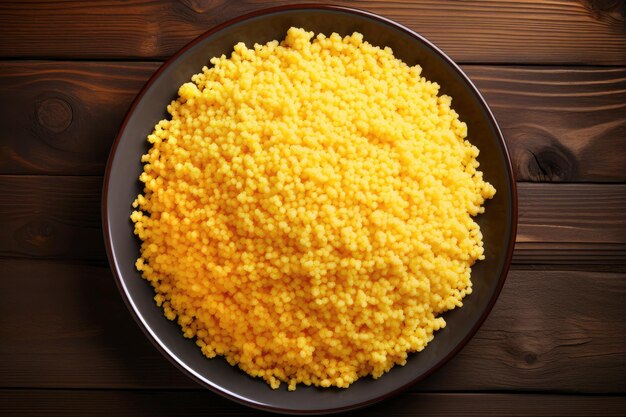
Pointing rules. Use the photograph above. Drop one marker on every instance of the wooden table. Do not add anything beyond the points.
(554, 73)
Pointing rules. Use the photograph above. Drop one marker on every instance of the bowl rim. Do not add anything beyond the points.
(134, 310)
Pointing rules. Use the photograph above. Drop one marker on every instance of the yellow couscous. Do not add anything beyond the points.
(307, 211)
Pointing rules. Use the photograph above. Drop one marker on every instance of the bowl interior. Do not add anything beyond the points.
(122, 186)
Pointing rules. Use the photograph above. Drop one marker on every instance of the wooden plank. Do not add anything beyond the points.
(65, 326)
(51, 217)
(561, 124)
(520, 31)
(571, 223)
(61, 118)
(59, 218)
(68, 403)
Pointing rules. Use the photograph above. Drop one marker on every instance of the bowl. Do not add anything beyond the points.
(121, 186)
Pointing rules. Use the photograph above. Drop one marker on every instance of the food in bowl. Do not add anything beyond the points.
(308, 210)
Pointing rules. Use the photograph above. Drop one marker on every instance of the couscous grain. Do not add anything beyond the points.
(307, 211)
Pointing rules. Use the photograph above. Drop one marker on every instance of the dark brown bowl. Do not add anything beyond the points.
(121, 186)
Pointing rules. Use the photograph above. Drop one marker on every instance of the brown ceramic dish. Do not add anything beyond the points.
(498, 224)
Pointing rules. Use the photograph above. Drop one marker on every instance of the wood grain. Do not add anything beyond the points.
(81, 335)
(571, 223)
(51, 217)
(59, 218)
(520, 31)
(69, 403)
(561, 124)
(63, 117)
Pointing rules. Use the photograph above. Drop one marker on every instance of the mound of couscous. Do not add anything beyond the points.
(307, 211)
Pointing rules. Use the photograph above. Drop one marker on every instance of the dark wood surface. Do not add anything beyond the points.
(554, 73)
(527, 344)
(180, 403)
(58, 218)
(518, 31)
(560, 123)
